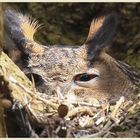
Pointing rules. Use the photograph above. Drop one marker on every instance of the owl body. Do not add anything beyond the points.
(85, 71)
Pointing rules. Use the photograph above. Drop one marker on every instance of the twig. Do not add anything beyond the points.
(106, 128)
(11, 79)
(84, 104)
(100, 120)
(47, 102)
(77, 110)
(119, 103)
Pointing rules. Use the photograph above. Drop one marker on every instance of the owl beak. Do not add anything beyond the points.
(68, 92)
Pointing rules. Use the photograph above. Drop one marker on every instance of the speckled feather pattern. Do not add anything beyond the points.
(57, 65)
(56, 61)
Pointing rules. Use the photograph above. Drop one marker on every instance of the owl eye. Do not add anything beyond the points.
(84, 77)
(37, 78)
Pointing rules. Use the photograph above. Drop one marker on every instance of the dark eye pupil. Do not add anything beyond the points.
(84, 77)
(37, 78)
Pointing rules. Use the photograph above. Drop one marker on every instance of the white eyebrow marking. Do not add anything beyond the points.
(93, 71)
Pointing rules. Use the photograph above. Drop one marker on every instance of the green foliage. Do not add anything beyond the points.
(68, 23)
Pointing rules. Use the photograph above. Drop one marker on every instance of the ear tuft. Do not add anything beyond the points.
(21, 29)
(100, 34)
(94, 27)
(29, 27)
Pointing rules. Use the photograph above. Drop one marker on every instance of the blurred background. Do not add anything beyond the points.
(68, 24)
(1, 26)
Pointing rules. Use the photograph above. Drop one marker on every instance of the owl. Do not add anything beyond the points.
(81, 72)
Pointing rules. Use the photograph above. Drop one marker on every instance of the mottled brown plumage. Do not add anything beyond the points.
(85, 71)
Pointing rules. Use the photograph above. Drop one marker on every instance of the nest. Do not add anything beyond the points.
(61, 117)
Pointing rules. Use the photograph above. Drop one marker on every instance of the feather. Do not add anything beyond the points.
(131, 74)
(29, 27)
(20, 26)
(94, 27)
(22, 29)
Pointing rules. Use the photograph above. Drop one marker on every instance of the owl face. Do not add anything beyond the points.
(103, 80)
(81, 72)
